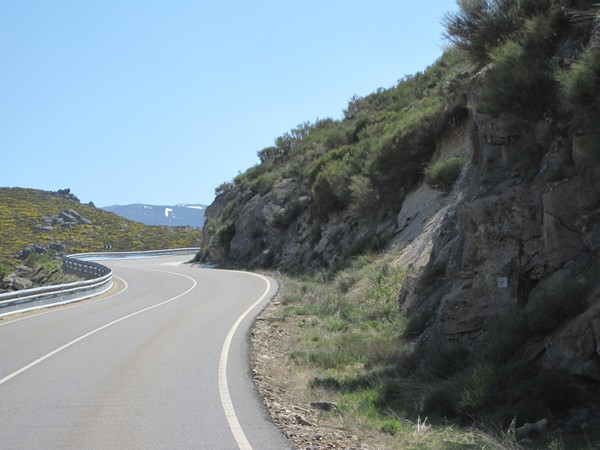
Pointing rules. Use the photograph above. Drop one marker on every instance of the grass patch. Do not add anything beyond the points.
(443, 174)
(348, 340)
(354, 347)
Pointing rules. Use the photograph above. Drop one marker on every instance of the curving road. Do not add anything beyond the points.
(161, 361)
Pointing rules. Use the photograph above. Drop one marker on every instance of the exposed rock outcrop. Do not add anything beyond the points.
(525, 225)
(523, 218)
(24, 277)
(64, 219)
(66, 194)
(281, 229)
(519, 236)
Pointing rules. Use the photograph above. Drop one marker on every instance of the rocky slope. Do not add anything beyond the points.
(520, 234)
(517, 227)
(505, 267)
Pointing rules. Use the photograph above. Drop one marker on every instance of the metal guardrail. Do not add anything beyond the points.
(98, 280)
(83, 268)
(140, 254)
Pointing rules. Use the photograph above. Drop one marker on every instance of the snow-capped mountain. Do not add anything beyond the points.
(177, 215)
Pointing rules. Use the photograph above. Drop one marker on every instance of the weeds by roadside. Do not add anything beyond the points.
(346, 346)
(343, 341)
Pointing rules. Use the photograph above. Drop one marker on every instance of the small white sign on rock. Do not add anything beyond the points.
(502, 282)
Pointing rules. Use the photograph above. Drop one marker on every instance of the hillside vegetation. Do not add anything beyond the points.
(26, 217)
(443, 237)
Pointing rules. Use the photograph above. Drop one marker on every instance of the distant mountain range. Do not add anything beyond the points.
(178, 215)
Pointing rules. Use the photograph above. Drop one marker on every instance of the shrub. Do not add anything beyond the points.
(330, 189)
(44, 262)
(264, 183)
(224, 187)
(516, 84)
(391, 426)
(581, 84)
(477, 387)
(480, 25)
(225, 234)
(363, 196)
(443, 174)
(5, 270)
(401, 152)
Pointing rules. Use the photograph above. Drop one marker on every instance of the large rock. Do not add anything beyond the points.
(30, 249)
(527, 210)
(73, 217)
(281, 229)
(14, 283)
(575, 348)
(64, 219)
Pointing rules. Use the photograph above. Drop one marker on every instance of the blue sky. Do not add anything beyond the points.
(161, 101)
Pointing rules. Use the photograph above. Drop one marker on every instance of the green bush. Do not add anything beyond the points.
(391, 426)
(399, 154)
(363, 197)
(516, 84)
(331, 190)
(443, 174)
(223, 188)
(44, 262)
(225, 234)
(581, 83)
(5, 270)
(264, 183)
(480, 25)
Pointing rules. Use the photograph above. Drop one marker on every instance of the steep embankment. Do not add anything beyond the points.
(502, 294)
(328, 191)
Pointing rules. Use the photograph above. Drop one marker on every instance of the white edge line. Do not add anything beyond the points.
(226, 402)
(109, 324)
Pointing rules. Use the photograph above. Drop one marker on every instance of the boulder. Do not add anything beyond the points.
(30, 249)
(15, 283)
(73, 217)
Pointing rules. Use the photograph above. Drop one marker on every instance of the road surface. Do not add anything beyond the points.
(161, 361)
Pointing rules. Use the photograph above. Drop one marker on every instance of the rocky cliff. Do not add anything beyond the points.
(280, 229)
(520, 228)
(519, 239)
(505, 263)
(520, 234)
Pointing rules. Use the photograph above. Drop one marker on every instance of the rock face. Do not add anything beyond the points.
(66, 194)
(22, 277)
(524, 230)
(519, 236)
(280, 229)
(65, 219)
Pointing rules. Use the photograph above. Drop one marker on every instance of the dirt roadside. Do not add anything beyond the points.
(303, 418)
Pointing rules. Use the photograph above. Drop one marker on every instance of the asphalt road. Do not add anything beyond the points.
(161, 361)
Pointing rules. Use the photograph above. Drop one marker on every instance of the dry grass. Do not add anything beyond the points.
(337, 342)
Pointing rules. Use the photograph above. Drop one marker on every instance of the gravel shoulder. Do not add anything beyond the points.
(294, 408)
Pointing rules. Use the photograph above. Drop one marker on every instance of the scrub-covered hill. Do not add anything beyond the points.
(56, 222)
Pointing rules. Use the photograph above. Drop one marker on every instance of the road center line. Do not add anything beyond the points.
(103, 327)
(234, 423)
